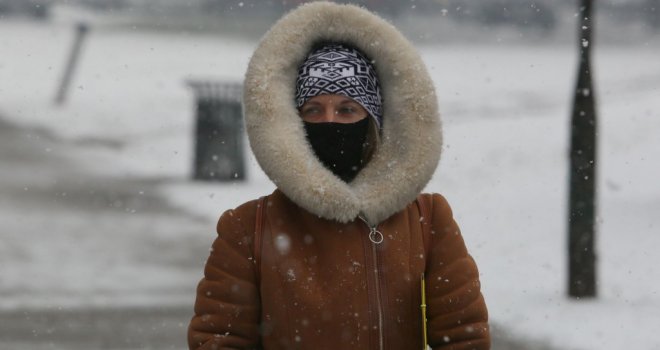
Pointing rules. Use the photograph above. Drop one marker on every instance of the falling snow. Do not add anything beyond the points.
(505, 113)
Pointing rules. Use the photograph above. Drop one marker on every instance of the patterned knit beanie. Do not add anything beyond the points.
(341, 70)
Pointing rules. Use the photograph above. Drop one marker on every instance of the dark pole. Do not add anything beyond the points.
(652, 10)
(582, 208)
(81, 30)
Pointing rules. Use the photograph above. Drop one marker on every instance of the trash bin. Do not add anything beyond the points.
(219, 153)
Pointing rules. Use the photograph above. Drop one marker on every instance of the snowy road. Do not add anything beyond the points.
(115, 328)
(98, 241)
(73, 237)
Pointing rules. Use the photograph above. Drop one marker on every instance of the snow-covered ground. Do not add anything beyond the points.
(504, 167)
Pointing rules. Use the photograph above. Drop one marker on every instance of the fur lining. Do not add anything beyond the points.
(411, 140)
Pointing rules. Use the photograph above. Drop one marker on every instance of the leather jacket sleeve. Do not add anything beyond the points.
(456, 311)
(227, 306)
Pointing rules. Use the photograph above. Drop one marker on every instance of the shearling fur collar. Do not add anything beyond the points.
(411, 140)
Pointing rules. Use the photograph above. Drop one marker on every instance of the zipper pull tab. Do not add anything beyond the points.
(375, 236)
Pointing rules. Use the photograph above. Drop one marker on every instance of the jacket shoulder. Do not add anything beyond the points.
(436, 203)
(242, 218)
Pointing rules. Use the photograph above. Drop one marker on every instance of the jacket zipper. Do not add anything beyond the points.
(376, 237)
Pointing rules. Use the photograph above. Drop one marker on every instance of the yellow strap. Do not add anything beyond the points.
(423, 306)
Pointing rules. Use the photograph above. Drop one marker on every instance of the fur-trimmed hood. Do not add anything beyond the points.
(411, 137)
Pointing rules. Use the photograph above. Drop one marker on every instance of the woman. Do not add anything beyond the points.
(342, 116)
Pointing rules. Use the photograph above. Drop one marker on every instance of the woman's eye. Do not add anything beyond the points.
(347, 110)
(311, 111)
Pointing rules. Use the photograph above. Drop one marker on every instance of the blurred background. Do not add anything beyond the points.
(121, 144)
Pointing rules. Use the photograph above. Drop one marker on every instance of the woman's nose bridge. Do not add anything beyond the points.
(330, 114)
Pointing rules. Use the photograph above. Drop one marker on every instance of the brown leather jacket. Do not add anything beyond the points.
(322, 284)
(316, 280)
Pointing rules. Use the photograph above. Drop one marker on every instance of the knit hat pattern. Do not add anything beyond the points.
(340, 70)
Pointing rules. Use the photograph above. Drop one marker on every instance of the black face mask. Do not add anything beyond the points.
(339, 146)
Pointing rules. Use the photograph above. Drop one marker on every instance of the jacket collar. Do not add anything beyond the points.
(411, 138)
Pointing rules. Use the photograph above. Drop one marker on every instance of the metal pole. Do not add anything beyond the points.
(652, 10)
(582, 198)
(81, 31)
